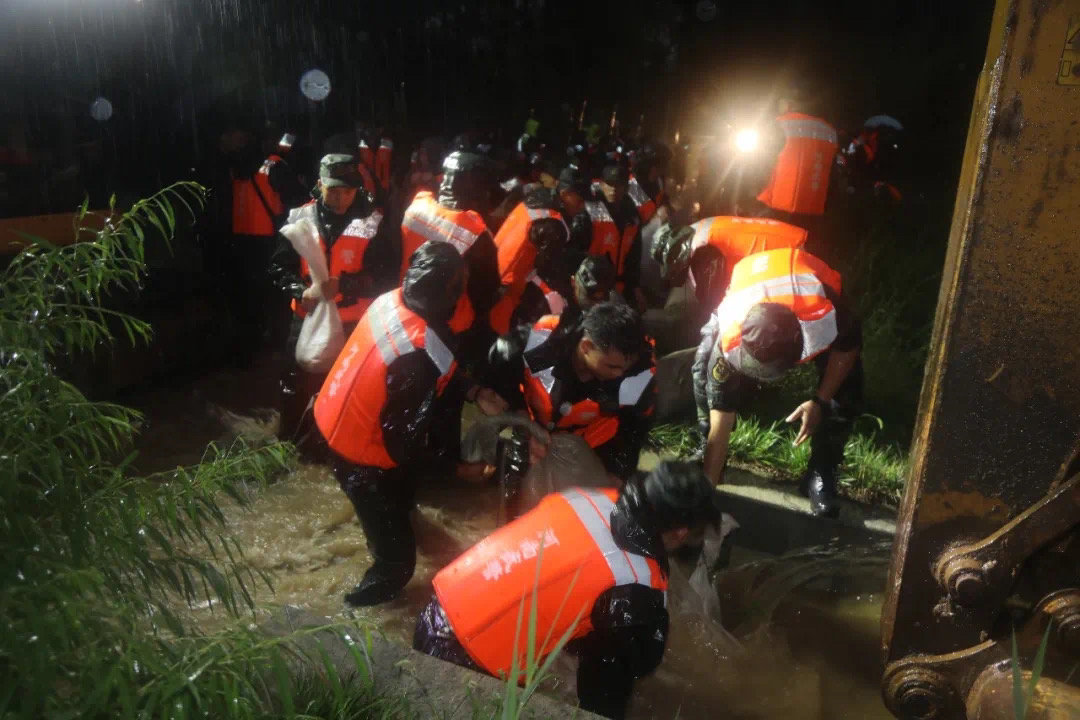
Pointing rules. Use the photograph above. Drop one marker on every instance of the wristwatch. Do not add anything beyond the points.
(823, 404)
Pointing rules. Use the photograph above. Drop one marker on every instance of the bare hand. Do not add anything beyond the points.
(537, 448)
(490, 402)
(329, 288)
(809, 413)
(310, 298)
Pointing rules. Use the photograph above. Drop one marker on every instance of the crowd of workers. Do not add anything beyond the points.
(523, 292)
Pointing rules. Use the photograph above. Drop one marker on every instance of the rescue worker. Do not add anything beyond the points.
(870, 161)
(375, 153)
(798, 184)
(531, 248)
(529, 173)
(706, 251)
(783, 307)
(424, 168)
(646, 188)
(455, 216)
(624, 250)
(260, 198)
(360, 257)
(586, 373)
(591, 284)
(386, 394)
(598, 559)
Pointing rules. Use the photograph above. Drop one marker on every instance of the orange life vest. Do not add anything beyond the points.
(424, 220)
(800, 179)
(503, 311)
(607, 240)
(250, 214)
(377, 162)
(517, 261)
(738, 237)
(791, 277)
(596, 425)
(348, 408)
(568, 535)
(383, 157)
(646, 206)
(346, 256)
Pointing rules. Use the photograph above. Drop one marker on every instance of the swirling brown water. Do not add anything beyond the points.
(807, 623)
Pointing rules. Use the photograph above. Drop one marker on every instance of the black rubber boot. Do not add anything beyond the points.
(821, 489)
(380, 585)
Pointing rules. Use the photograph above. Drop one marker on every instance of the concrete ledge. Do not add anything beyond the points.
(775, 519)
(431, 688)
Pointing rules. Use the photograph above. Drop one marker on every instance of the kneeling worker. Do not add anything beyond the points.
(783, 307)
(383, 397)
(603, 576)
(586, 373)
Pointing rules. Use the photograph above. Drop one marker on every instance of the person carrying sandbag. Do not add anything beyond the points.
(333, 260)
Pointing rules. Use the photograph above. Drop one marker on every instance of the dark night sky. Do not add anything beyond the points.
(179, 71)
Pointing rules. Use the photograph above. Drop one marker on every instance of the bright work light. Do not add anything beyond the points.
(746, 140)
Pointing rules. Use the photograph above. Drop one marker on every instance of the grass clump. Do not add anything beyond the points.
(95, 559)
(871, 472)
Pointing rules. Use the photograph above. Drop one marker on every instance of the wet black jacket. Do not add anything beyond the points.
(413, 407)
(380, 270)
(507, 373)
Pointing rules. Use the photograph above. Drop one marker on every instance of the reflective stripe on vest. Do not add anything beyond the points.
(808, 127)
(645, 205)
(349, 406)
(346, 256)
(422, 219)
(737, 237)
(562, 550)
(393, 341)
(788, 277)
(800, 180)
(593, 509)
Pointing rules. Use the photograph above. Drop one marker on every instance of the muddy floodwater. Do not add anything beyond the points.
(801, 630)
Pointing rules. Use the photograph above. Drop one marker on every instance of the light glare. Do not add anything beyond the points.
(746, 140)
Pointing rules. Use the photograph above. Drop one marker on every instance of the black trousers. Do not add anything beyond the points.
(827, 443)
(383, 499)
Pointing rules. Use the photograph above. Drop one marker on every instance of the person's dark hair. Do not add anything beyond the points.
(434, 281)
(614, 326)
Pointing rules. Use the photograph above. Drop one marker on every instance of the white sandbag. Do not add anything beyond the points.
(322, 336)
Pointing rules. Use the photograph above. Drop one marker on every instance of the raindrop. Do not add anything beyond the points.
(101, 109)
(315, 84)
